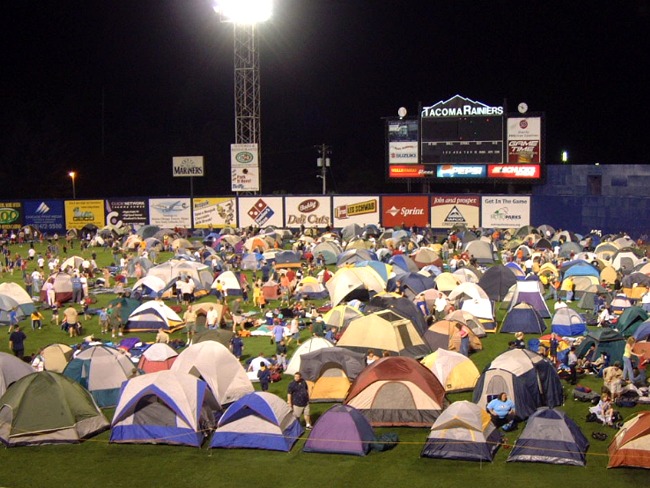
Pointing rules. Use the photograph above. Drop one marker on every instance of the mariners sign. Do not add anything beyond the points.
(187, 166)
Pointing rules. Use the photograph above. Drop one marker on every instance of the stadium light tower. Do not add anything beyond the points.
(244, 15)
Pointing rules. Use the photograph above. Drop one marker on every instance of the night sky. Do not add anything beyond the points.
(113, 89)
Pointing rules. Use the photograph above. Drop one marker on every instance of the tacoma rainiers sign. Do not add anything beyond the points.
(461, 131)
(187, 166)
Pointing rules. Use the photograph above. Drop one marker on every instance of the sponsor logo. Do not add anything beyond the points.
(404, 211)
(503, 214)
(454, 216)
(411, 171)
(361, 208)
(462, 171)
(523, 123)
(177, 206)
(79, 215)
(42, 209)
(188, 167)
(308, 205)
(308, 219)
(244, 157)
(261, 213)
(8, 215)
(514, 171)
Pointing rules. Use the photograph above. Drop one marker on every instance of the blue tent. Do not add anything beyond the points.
(523, 318)
(643, 332)
(165, 407)
(550, 437)
(259, 420)
(341, 430)
(582, 269)
(568, 322)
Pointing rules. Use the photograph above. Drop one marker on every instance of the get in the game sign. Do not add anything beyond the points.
(503, 211)
(450, 210)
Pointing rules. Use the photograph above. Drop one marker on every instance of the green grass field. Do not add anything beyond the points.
(97, 463)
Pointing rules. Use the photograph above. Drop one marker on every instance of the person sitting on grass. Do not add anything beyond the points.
(502, 410)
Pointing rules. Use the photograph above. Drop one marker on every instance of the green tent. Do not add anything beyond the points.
(127, 308)
(48, 408)
(630, 320)
(606, 340)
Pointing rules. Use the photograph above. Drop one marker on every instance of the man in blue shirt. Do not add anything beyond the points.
(502, 410)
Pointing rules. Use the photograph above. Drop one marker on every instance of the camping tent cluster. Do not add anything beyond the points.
(393, 293)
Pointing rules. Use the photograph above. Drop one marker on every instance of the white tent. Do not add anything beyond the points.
(215, 364)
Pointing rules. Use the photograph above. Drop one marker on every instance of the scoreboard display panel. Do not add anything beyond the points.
(462, 140)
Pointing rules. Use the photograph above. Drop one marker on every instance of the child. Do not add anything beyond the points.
(55, 313)
(103, 320)
(37, 318)
(264, 375)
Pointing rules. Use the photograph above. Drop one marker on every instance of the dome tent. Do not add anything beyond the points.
(341, 430)
(164, 407)
(463, 432)
(48, 408)
(550, 436)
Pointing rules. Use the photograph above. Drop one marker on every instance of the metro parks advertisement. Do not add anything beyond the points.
(214, 212)
(80, 213)
(504, 211)
(450, 210)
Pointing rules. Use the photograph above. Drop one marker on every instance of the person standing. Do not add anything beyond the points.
(463, 332)
(298, 398)
(190, 323)
(17, 342)
(13, 320)
(627, 359)
(264, 375)
(237, 346)
(572, 361)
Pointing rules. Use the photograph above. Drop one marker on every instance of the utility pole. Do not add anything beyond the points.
(323, 162)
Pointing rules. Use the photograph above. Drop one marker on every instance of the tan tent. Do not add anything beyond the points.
(609, 275)
(384, 331)
(444, 335)
(56, 357)
(631, 445)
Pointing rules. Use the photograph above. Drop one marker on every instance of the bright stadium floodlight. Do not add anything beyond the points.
(244, 11)
(245, 15)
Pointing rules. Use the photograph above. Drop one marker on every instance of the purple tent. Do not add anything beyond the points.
(341, 430)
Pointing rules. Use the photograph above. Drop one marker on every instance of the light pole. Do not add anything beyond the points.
(244, 15)
(72, 176)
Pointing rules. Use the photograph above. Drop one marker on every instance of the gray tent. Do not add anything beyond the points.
(550, 437)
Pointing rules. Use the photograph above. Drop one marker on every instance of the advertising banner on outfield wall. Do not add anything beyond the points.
(170, 212)
(356, 210)
(214, 212)
(450, 210)
(505, 211)
(127, 212)
(404, 211)
(261, 211)
(46, 215)
(79, 213)
(308, 211)
(11, 215)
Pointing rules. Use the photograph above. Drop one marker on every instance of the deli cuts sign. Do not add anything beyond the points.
(308, 211)
(403, 210)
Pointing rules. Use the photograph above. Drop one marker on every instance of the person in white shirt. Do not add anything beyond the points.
(211, 318)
